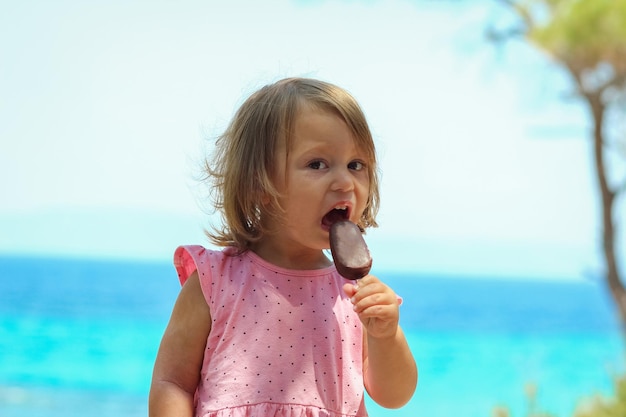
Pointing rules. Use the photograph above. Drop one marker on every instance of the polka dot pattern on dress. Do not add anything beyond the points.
(280, 337)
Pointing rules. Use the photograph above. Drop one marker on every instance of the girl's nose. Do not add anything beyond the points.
(343, 180)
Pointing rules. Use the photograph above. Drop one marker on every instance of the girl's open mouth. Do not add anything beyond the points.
(335, 215)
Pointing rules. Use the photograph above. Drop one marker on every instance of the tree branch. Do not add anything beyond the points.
(520, 11)
(619, 81)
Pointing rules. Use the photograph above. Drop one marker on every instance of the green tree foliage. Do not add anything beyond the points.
(581, 34)
(597, 406)
(606, 407)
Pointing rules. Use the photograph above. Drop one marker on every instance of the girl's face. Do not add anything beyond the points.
(325, 177)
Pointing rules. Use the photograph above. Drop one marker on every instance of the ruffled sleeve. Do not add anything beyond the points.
(187, 260)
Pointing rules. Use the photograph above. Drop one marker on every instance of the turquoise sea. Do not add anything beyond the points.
(79, 337)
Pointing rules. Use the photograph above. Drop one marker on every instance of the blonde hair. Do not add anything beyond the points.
(241, 168)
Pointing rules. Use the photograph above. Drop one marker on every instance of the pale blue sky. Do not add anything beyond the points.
(105, 106)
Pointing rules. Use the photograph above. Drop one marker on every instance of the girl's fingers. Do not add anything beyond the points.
(350, 289)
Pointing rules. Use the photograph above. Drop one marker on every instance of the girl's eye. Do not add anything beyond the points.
(317, 165)
(356, 165)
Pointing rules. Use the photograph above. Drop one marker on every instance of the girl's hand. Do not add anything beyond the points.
(377, 306)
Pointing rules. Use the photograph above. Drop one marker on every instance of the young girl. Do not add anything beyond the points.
(266, 326)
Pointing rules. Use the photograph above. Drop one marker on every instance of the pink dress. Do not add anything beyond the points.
(283, 342)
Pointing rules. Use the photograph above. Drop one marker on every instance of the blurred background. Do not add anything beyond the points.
(491, 222)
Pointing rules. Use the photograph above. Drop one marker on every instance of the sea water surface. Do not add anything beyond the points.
(79, 337)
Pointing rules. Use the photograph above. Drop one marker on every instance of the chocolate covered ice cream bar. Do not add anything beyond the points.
(349, 250)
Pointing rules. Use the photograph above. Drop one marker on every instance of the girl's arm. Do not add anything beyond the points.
(179, 360)
(389, 370)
